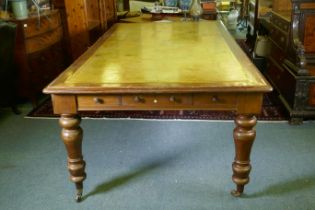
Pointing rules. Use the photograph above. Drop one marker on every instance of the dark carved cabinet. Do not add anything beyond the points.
(291, 63)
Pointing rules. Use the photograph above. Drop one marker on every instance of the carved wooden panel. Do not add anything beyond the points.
(309, 35)
(311, 100)
(311, 69)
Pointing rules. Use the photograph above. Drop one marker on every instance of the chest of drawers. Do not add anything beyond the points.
(39, 53)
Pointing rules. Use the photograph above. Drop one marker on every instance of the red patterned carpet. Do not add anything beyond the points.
(272, 111)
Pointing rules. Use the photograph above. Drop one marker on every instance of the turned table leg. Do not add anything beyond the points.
(244, 136)
(71, 135)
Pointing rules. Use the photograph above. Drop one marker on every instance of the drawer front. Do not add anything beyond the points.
(42, 42)
(288, 86)
(283, 80)
(165, 100)
(274, 73)
(32, 28)
(278, 38)
(87, 102)
(276, 53)
(215, 100)
(280, 23)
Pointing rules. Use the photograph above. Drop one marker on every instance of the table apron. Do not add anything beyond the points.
(240, 102)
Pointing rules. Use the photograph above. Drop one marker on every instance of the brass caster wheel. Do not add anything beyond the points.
(236, 193)
(78, 198)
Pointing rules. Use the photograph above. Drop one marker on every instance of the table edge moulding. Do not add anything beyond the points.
(99, 80)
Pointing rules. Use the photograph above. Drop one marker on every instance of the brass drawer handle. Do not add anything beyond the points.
(98, 100)
(138, 99)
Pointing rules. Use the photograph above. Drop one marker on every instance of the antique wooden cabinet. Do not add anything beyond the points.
(291, 63)
(39, 53)
(85, 21)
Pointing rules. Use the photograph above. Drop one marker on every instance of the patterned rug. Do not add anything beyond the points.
(271, 111)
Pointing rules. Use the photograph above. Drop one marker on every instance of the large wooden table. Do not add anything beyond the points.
(161, 66)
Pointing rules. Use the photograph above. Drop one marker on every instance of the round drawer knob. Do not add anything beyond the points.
(98, 100)
(155, 101)
(174, 99)
(214, 99)
(138, 99)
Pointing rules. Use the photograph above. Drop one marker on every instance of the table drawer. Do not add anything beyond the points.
(86, 102)
(165, 100)
(215, 100)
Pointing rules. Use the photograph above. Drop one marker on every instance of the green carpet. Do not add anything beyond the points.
(164, 165)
